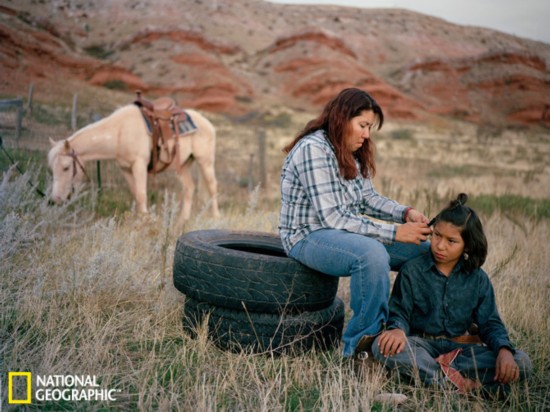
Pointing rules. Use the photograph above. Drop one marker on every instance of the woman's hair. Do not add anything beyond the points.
(471, 230)
(335, 121)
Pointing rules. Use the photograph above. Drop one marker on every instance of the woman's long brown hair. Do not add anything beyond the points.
(335, 121)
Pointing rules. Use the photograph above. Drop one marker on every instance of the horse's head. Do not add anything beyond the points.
(67, 170)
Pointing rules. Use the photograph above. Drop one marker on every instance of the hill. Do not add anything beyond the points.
(238, 55)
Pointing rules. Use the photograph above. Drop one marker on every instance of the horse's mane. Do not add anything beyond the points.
(54, 151)
(118, 112)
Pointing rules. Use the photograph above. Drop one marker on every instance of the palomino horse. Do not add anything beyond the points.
(123, 136)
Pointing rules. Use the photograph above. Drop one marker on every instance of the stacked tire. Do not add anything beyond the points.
(252, 297)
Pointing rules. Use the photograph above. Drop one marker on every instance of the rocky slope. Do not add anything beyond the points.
(237, 55)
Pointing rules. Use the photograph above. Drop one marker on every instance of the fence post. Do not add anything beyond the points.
(18, 123)
(251, 173)
(29, 99)
(261, 154)
(73, 114)
(95, 117)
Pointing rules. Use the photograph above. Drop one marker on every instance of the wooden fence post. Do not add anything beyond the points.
(73, 114)
(261, 154)
(29, 99)
(95, 117)
(251, 173)
(19, 122)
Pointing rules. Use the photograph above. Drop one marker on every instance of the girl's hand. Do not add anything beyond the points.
(507, 369)
(392, 341)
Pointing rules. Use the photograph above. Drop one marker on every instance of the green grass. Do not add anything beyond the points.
(526, 207)
(23, 160)
(447, 171)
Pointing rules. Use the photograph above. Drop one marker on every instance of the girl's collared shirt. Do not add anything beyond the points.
(425, 301)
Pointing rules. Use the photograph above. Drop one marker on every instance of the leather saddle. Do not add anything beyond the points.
(162, 116)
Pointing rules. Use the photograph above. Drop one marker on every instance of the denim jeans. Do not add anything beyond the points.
(368, 262)
(475, 362)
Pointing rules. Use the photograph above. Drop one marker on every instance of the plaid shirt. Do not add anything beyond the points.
(315, 196)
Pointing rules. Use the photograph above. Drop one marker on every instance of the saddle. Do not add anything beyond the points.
(163, 117)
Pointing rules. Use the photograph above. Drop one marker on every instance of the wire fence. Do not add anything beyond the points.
(26, 138)
(243, 164)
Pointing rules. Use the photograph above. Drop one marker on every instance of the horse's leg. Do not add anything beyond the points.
(139, 173)
(209, 174)
(188, 188)
(127, 173)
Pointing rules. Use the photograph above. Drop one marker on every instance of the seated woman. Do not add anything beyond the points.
(328, 203)
(436, 298)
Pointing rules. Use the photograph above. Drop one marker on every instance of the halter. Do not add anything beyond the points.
(77, 163)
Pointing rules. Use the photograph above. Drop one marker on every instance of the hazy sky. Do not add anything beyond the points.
(523, 18)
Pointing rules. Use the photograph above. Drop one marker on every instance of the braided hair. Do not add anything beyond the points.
(471, 230)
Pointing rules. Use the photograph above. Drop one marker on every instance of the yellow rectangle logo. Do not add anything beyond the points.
(12, 375)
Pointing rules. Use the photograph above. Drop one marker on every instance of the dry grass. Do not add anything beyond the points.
(88, 295)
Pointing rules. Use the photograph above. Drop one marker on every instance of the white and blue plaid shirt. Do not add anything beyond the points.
(315, 196)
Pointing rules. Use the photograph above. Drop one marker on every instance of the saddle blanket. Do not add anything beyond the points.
(185, 125)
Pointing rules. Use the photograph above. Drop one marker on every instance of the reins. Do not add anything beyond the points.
(77, 162)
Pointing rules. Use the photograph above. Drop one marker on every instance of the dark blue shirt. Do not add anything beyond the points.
(425, 301)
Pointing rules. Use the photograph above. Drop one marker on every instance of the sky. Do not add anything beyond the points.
(524, 18)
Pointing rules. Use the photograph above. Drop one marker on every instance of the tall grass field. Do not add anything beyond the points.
(86, 287)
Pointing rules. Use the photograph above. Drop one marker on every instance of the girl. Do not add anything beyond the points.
(434, 301)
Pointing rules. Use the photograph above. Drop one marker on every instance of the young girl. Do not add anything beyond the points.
(436, 298)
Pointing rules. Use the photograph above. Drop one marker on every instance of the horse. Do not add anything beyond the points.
(123, 136)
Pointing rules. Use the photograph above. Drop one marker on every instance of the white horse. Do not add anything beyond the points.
(123, 136)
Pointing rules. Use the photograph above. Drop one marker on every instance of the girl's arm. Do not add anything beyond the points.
(394, 339)
(401, 301)
(491, 328)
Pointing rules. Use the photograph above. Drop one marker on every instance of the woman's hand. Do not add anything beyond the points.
(392, 341)
(507, 369)
(414, 215)
(412, 232)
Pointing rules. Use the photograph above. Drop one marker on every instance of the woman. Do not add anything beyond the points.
(327, 193)
(434, 301)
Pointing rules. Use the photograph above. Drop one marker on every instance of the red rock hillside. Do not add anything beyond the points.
(237, 55)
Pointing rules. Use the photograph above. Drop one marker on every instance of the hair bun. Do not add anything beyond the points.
(461, 199)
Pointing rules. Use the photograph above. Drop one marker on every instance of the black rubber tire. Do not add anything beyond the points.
(248, 271)
(236, 330)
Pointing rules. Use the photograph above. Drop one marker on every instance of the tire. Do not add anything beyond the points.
(237, 330)
(248, 271)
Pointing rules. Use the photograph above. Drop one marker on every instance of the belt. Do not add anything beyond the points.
(468, 339)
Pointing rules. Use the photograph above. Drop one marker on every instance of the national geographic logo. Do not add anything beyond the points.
(13, 384)
(56, 388)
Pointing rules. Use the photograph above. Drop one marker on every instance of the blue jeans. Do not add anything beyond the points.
(475, 362)
(368, 262)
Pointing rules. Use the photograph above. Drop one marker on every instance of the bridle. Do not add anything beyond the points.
(77, 163)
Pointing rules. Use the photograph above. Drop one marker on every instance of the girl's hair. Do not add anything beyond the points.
(335, 121)
(471, 230)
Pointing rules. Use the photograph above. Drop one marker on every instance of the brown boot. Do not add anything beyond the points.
(365, 344)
